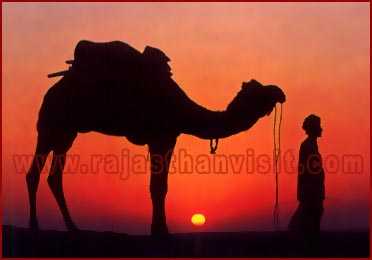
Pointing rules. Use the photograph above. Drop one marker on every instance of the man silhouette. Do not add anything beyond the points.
(310, 186)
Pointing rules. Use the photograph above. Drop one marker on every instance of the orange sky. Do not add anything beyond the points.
(318, 53)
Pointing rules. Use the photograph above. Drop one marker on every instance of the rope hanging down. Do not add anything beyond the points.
(277, 154)
(213, 148)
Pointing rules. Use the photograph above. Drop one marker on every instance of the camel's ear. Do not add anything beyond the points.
(252, 83)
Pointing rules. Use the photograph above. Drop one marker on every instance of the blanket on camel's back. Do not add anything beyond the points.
(110, 77)
(104, 78)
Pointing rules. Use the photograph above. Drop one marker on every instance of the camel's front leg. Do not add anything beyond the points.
(161, 153)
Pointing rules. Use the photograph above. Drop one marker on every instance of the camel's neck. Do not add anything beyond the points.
(207, 124)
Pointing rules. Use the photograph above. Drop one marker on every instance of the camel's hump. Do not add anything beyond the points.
(118, 55)
(115, 51)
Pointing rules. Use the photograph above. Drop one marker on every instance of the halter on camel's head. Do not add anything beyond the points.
(253, 101)
(256, 98)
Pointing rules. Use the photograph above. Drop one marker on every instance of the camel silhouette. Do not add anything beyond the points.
(112, 88)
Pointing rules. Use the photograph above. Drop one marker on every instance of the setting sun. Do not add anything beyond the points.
(198, 219)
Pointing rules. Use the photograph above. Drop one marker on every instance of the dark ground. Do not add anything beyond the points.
(18, 242)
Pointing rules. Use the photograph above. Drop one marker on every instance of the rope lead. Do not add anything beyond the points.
(277, 154)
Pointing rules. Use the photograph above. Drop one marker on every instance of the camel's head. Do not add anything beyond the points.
(256, 98)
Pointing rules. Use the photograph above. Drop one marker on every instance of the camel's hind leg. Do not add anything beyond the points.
(60, 148)
(43, 148)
